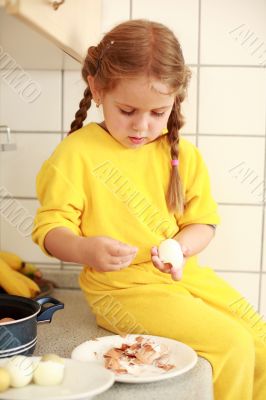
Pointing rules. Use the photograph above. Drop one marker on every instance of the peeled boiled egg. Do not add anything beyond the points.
(4, 379)
(20, 369)
(53, 357)
(49, 371)
(170, 252)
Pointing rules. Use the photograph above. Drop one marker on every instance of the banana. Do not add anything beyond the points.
(10, 282)
(30, 270)
(33, 286)
(12, 260)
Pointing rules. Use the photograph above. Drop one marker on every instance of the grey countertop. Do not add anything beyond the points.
(76, 324)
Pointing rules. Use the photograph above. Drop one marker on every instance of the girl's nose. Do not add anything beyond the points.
(140, 125)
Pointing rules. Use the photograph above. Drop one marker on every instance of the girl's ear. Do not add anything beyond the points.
(96, 94)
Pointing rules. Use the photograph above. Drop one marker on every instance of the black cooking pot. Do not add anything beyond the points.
(20, 336)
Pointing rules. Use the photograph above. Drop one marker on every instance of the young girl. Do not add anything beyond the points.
(112, 192)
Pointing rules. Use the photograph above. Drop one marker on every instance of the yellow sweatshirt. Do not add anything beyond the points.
(93, 185)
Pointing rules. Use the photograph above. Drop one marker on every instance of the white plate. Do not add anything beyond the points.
(182, 356)
(81, 381)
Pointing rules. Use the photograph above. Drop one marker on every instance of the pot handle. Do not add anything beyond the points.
(46, 313)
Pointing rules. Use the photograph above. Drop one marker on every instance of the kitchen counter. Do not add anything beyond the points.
(76, 324)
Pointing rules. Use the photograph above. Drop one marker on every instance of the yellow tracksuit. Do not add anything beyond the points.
(94, 186)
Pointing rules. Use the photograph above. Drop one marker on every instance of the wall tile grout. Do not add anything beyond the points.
(242, 271)
(130, 9)
(231, 135)
(232, 66)
(241, 204)
(55, 132)
(62, 121)
(198, 74)
(263, 222)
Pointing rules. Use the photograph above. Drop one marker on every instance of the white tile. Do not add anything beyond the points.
(21, 166)
(190, 138)
(29, 49)
(263, 297)
(74, 87)
(34, 105)
(264, 240)
(246, 283)
(233, 32)
(189, 106)
(1, 172)
(17, 221)
(1, 23)
(236, 172)
(181, 16)
(232, 101)
(237, 242)
(110, 14)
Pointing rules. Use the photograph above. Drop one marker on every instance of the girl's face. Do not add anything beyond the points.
(137, 110)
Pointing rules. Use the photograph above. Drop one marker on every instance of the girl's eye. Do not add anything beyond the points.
(126, 112)
(154, 113)
(158, 114)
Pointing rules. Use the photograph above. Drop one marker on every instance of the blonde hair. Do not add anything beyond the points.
(141, 47)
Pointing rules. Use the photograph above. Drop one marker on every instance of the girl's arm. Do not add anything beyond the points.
(100, 252)
(195, 238)
(64, 245)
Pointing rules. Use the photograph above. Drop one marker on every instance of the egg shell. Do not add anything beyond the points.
(20, 369)
(170, 252)
(48, 373)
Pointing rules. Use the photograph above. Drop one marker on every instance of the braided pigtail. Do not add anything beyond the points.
(81, 114)
(89, 68)
(175, 195)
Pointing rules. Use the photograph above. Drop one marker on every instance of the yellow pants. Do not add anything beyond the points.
(201, 310)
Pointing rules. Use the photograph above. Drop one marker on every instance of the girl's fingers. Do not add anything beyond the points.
(176, 274)
(122, 250)
(121, 262)
(160, 265)
(154, 251)
(185, 250)
(166, 267)
(157, 263)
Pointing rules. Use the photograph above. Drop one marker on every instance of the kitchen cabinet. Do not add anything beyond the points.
(72, 25)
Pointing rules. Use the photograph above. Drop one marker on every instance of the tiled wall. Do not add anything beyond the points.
(224, 42)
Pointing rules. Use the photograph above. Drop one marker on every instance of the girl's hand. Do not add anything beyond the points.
(166, 267)
(106, 254)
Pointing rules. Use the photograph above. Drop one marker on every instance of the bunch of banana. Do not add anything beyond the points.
(12, 260)
(30, 270)
(16, 263)
(14, 282)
